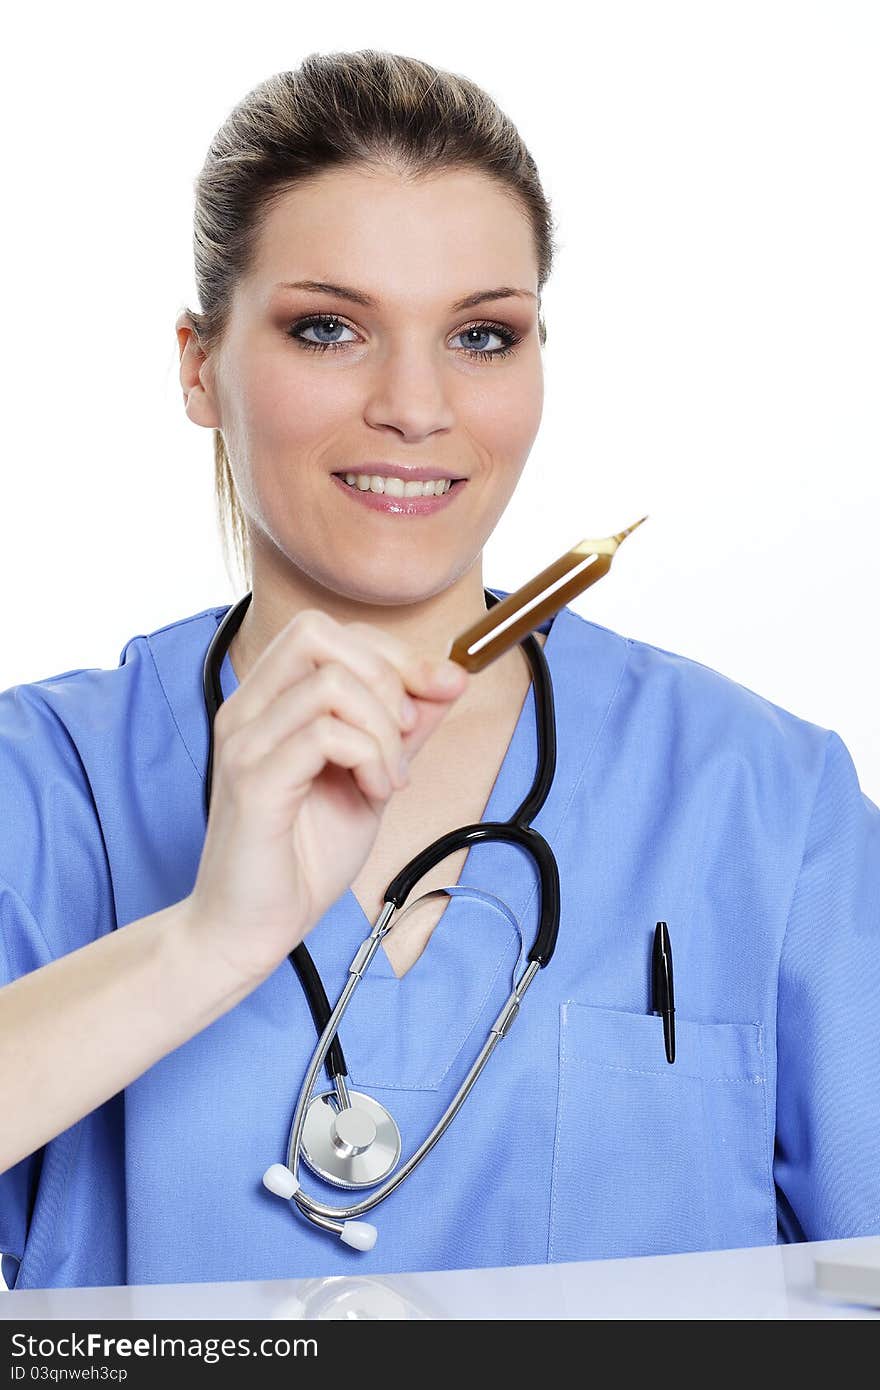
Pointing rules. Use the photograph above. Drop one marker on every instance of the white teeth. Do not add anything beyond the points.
(398, 487)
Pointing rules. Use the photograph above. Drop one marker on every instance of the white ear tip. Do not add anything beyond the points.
(280, 1180)
(360, 1235)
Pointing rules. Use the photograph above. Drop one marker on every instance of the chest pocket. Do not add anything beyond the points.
(654, 1158)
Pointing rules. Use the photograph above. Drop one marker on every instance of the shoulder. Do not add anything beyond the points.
(65, 738)
(700, 715)
(47, 713)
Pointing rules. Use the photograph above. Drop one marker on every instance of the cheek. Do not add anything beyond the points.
(285, 402)
(504, 416)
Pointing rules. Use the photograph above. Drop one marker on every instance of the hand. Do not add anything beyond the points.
(307, 753)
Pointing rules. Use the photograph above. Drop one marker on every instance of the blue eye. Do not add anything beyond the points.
(489, 330)
(330, 324)
(319, 323)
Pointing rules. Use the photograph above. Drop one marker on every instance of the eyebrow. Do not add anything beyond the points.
(358, 297)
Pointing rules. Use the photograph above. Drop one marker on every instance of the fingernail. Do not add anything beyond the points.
(408, 712)
(447, 675)
(404, 767)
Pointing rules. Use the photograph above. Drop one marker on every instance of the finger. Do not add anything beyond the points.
(308, 641)
(434, 696)
(431, 714)
(280, 780)
(429, 678)
(330, 689)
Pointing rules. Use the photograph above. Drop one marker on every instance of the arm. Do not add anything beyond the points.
(79, 1029)
(827, 1164)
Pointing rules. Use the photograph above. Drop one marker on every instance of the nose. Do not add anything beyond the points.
(410, 392)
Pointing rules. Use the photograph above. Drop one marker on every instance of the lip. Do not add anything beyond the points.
(390, 470)
(400, 506)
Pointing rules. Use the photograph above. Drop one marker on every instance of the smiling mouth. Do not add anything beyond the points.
(398, 485)
(381, 501)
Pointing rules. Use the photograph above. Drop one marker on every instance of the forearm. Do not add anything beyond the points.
(76, 1031)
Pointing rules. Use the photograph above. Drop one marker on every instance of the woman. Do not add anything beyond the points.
(371, 243)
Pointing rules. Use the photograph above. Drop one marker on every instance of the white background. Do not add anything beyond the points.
(713, 318)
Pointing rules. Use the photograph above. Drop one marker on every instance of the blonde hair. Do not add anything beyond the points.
(366, 109)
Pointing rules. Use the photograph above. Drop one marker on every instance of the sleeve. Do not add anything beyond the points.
(54, 888)
(827, 1152)
(22, 949)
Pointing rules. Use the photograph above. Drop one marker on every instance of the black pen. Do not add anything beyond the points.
(663, 1001)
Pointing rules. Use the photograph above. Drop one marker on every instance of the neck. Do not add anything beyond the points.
(428, 626)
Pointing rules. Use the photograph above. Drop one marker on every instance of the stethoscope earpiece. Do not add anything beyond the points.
(280, 1180)
(360, 1235)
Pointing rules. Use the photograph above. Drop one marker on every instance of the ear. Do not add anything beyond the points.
(195, 374)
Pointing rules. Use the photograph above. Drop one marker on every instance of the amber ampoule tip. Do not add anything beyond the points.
(622, 535)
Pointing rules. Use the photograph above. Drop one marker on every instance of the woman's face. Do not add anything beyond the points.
(407, 381)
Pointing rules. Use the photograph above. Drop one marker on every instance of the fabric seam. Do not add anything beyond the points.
(813, 805)
(171, 711)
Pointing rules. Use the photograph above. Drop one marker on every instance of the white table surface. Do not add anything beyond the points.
(765, 1282)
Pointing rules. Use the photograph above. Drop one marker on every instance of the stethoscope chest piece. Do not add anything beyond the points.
(355, 1147)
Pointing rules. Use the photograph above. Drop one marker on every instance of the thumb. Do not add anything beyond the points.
(429, 714)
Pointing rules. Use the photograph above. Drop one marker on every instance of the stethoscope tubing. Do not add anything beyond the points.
(332, 1218)
(516, 830)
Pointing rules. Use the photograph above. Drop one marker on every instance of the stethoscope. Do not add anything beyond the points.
(344, 1136)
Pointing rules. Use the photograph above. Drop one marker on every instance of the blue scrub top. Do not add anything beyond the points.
(679, 795)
